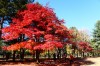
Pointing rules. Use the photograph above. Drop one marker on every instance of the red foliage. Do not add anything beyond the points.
(85, 46)
(4, 47)
(34, 22)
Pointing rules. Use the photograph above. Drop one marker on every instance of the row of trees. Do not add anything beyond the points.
(44, 31)
(36, 28)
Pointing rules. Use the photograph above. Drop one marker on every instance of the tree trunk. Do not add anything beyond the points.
(33, 55)
(77, 53)
(65, 50)
(7, 56)
(48, 54)
(83, 54)
(14, 52)
(1, 26)
(37, 55)
(93, 54)
(22, 52)
(59, 53)
(73, 49)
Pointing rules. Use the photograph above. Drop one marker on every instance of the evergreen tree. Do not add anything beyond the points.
(96, 35)
(8, 9)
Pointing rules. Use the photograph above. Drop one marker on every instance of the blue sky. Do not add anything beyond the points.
(82, 14)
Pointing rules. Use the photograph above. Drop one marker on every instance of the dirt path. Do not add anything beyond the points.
(94, 62)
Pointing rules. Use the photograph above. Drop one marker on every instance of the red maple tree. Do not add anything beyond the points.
(84, 46)
(41, 27)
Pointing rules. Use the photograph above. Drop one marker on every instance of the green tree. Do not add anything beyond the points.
(8, 9)
(96, 35)
(2, 44)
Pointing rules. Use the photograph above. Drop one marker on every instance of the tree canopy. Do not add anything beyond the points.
(41, 27)
(10, 7)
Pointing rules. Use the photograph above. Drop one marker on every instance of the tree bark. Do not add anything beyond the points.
(48, 54)
(37, 55)
(83, 54)
(14, 52)
(59, 53)
(1, 26)
(7, 56)
(22, 51)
